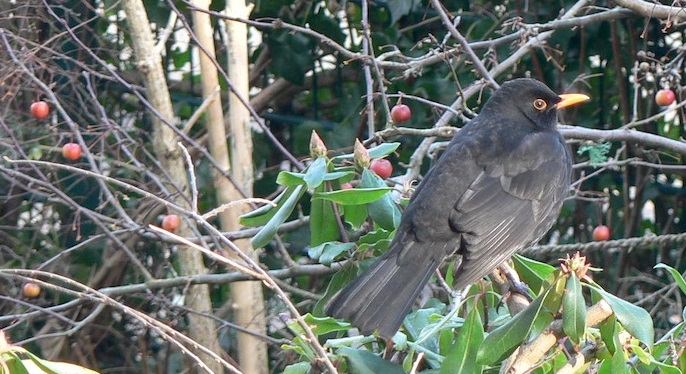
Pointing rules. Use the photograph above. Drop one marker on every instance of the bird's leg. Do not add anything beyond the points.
(516, 285)
(453, 293)
(505, 279)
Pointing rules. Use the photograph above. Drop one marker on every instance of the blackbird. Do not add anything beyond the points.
(497, 188)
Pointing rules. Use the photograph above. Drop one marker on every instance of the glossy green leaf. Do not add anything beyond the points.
(365, 362)
(289, 178)
(300, 346)
(324, 325)
(418, 320)
(641, 354)
(327, 25)
(501, 342)
(532, 272)
(327, 252)
(355, 196)
(263, 214)
(462, 356)
(573, 310)
(634, 319)
(35, 363)
(265, 235)
(298, 368)
(399, 8)
(13, 362)
(378, 240)
(290, 54)
(614, 365)
(355, 215)
(665, 368)
(608, 332)
(381, 150)
(314, 176)
(445, 341)
(384, 210)
(323, 221)
(678, 278)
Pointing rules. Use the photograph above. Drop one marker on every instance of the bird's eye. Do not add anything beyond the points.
(540, 104)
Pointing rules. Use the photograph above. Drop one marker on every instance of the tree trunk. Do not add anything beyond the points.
(246, 297)
(201, 330)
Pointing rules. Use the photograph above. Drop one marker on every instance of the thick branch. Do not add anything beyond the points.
(654, 10)
(624, 135)
(532, 352)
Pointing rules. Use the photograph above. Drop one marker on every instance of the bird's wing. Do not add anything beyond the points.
(510, 204)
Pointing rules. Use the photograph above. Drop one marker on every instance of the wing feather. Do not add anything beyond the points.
(509, 206)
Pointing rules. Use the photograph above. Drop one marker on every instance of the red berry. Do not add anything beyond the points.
(31, 290)
(71, 151)
(346, 186)
(40, 109)
(171, 222)
(401, 113)
(382, 167)
(664, 97)
(601, 233)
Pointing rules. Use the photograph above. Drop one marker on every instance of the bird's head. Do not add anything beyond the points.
(530, 99)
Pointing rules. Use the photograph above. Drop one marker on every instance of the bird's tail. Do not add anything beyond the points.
(380, 298)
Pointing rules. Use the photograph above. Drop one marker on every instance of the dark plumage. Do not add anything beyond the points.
(498, 187)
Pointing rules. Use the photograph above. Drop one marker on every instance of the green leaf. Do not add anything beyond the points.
(263, 214)
(378, 240)
(449, 274)
(289, 178)
(327, 252)
(380, 151)
(608, 332)
(573, 310)
(665, 368)
(13, 362)
(327, 25)
(290, 53)
(324, 325)
(355, 196)
(614, 365)
(634, 319)
(265, 235)
(461, 358)
(314, 176)
(399, 8)
(365, 362)
(35, 363)
(298, 368)
(323, 223)
(301, 347)
(642, 355)
(383, 211)
(355, 215)
(532, 272)
(418, 320)
(502, 341)
(678, 278)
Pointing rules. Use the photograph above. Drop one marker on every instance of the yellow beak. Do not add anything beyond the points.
(571, 99)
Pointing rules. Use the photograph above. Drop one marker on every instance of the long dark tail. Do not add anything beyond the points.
(380, 298)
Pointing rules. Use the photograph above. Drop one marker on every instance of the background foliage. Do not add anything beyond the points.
(314, 67)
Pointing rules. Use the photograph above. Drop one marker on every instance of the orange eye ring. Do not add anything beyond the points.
(540, 104)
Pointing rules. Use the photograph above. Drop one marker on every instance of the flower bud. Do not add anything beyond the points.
(361, 155)
(317, 147)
